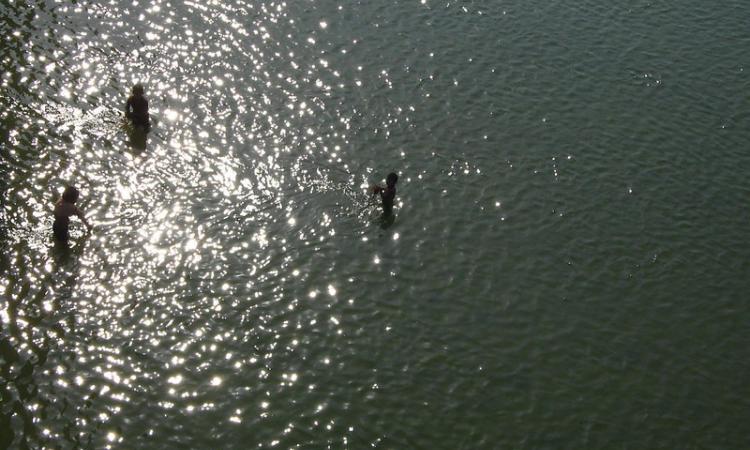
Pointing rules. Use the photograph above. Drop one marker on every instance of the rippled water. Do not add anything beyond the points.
(566, 269)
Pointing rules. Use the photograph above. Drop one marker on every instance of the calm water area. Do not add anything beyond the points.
(567, 267)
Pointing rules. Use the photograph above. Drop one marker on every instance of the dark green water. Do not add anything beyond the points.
(567, 267)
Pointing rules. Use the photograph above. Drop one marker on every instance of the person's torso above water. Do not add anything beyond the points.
(63, 211)
(138, 109)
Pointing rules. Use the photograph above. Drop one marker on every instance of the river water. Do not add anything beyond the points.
(567, 266)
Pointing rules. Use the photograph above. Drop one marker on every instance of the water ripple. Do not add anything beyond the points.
(241, 288)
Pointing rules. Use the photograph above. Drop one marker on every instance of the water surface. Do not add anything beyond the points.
(567, 267)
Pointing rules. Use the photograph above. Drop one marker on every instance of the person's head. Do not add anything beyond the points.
(391, 179)
(138, 89)
(70, 194)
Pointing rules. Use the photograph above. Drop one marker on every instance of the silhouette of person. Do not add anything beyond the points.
(387, 193)
(64, 208)
(136, 108)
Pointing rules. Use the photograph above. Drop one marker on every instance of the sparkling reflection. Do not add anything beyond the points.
(207, 287)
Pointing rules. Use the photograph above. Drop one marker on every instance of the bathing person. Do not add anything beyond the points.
(387, 193)
(64, 208)
(136, 108)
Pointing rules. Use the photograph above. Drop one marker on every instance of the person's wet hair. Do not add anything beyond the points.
(391, 179)
(138, 89)
(70, 194)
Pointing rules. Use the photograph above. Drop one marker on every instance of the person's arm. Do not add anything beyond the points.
(128, 106)
(80, 215)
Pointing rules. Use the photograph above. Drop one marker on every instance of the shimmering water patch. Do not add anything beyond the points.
(566, 263)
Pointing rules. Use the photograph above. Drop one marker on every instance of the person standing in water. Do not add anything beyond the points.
(387, 193)
(136, 108)
(64, 208)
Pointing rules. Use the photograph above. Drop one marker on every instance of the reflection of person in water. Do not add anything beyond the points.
(387, 193)
(136, 108)
(64, 208)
